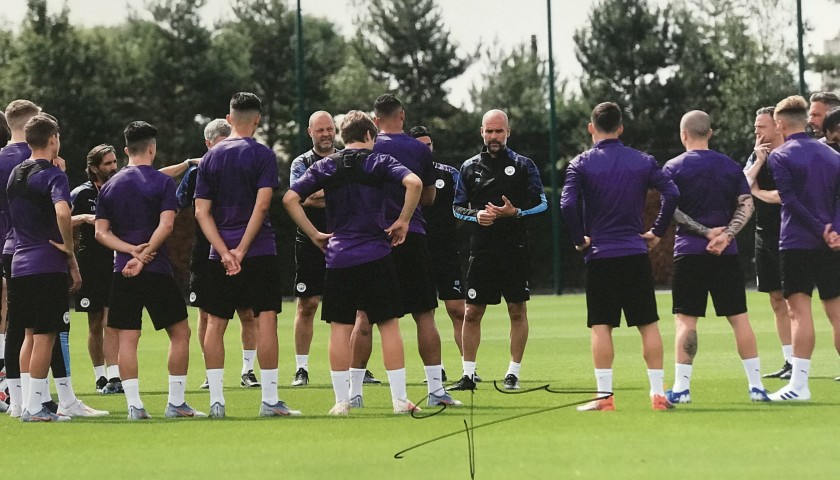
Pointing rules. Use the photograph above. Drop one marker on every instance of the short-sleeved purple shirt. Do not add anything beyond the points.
(415, 156)
(710, 184)
(132, 201)
(353, 198)
(35, 224)
(11, 156)
(230, 174)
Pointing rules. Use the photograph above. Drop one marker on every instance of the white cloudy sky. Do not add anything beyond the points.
(471, 22)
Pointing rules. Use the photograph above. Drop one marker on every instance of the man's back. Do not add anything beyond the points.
(230, 174)
(807, 175)
(612, 180)
(33, 219)
(710, 184)
(415, 156)
(132, 201)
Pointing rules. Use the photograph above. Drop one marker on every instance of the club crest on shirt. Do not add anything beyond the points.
(439, 183)
(300, 287)
(85, 302)
(509, 170)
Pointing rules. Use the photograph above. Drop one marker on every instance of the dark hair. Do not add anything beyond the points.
(829, 98)
(831, 123)
(245, 102)
(765, 111)
(419, 131)
(387, 105)
(138, 136)
(95, 156)
(355, 125)
(5, 131)
(39, 129)
(606, 117)
(19, 112)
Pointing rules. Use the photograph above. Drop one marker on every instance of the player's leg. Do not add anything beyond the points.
(249, 336)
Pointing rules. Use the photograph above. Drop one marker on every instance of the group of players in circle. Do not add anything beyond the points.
(391, 213)
(374, 266)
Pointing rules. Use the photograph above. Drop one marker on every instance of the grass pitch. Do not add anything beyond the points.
(720, 435)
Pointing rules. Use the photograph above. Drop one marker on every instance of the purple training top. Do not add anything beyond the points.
(35, 224)
(604, 198)
(807, 175)
(710, 184)
(415, 156)
(353, 192)
(230, 174)
(11, 156)
(132, 200)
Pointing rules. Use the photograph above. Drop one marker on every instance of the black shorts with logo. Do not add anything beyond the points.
(310, 269)
(620, 283)
(157, 292)
(698, 276)
(257, 287)
(40, 302)
(494, 274)
(371, 287)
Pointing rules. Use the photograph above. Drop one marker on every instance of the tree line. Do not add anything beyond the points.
(176, 72)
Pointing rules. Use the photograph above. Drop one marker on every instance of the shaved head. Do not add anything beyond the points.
(495, 115)
(696, 124)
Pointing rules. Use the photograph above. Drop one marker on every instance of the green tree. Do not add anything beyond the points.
(405, 43)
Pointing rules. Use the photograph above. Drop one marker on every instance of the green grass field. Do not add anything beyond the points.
(720, 435)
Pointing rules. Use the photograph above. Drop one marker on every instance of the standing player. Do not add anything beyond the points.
(767, 223)
(96, 264)
(713, 192)
(135, 214)
(360, 287)
(215, 131)
(39, 212)
(236, 179)
(603, 202)
(443, 242)
(309, 259)
(807, 175)
(412, 257)
(495, 190)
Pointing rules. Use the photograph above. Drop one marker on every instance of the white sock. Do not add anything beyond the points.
(177, 385)
(341, 384)
(2, 345)
(37, 387)
(357, 380)
(753, 368)
(24, 388)
(15, 392)
(66, 395)
(248, 357)
(682, 377)
(131, 387)
(603, 380)
(433, 379)
(799, 375)
(98, 371)
(112, 371)
(513, 369)
(656, 377)
(787, 351)
(302, 361)
(269, 386)
(396, 379)
(469, 368)
(214, 380)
